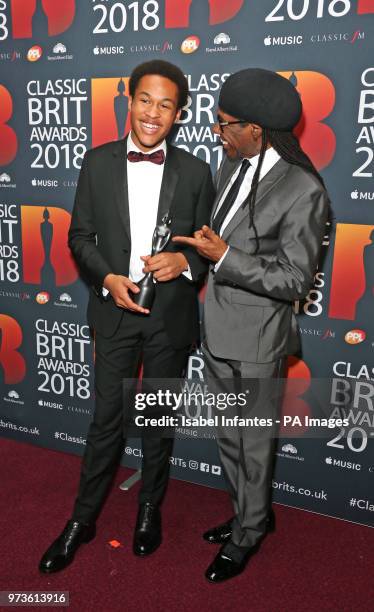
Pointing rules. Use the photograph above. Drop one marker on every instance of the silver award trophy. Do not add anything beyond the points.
(161, 237)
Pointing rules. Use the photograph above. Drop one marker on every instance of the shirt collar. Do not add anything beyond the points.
(270, 159)
(131, 146)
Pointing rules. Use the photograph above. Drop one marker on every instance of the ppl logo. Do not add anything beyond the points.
(297, 383)
(8, 137)
(317, 93)
(355, 336)
(12, 362)
(29, 16)
(46, 257)
(190, 44)
(352, 280)
(109, 100)
(35, 53)
(42, 297)
(184, 12)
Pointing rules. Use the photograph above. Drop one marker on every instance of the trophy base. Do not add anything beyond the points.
(146, 295)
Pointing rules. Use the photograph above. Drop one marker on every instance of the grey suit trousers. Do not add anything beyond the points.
(247, 453)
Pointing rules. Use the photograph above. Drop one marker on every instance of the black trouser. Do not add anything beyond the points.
(138, 336)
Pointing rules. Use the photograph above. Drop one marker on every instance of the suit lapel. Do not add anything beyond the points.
(169, 183)
(268, 183)
(119, 176)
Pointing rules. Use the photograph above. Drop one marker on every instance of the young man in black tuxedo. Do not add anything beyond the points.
(124, 189)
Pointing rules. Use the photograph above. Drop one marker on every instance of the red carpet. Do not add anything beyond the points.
(311, 563)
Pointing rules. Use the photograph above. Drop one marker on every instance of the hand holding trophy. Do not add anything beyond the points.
(161, 237)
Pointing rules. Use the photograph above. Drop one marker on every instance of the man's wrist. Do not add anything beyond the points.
(107, 281)
(218, 263)
(184, 262)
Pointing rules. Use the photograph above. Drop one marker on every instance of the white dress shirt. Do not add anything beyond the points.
(144, 180)
(144, 185)
(270, 159)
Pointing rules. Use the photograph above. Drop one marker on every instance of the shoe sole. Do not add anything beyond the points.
(224, 579)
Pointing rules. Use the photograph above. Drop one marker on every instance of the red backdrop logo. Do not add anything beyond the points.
(352, 282)
(109, 100)
(27, 15)
(8, 137)
(177, 14)
(12, 362)
(318, 97)
(297, 382)
(365, 6)
(46, 257)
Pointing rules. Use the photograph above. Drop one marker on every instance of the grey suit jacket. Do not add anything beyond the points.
(248, 312)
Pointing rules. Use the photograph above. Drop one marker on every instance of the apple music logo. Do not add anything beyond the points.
(282, 40)
(362, 195)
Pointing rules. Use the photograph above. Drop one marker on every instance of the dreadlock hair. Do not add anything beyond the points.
(286, 144)
(288, 147)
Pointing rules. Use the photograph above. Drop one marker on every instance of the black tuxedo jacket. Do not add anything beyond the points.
(100, 240)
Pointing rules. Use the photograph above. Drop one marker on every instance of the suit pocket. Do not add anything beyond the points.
(245, 327)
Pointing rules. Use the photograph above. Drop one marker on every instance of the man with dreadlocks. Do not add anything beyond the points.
(265, 236)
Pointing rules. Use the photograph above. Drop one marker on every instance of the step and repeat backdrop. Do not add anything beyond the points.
(64, 70)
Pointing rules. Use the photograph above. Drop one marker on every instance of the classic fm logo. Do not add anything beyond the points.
(27, 15)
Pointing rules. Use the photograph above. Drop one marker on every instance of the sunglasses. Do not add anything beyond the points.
(223, 124)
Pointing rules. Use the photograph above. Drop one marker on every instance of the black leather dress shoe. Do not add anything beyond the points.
(224, 567)
(222, 533)
(147, 535)
(61, 553)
